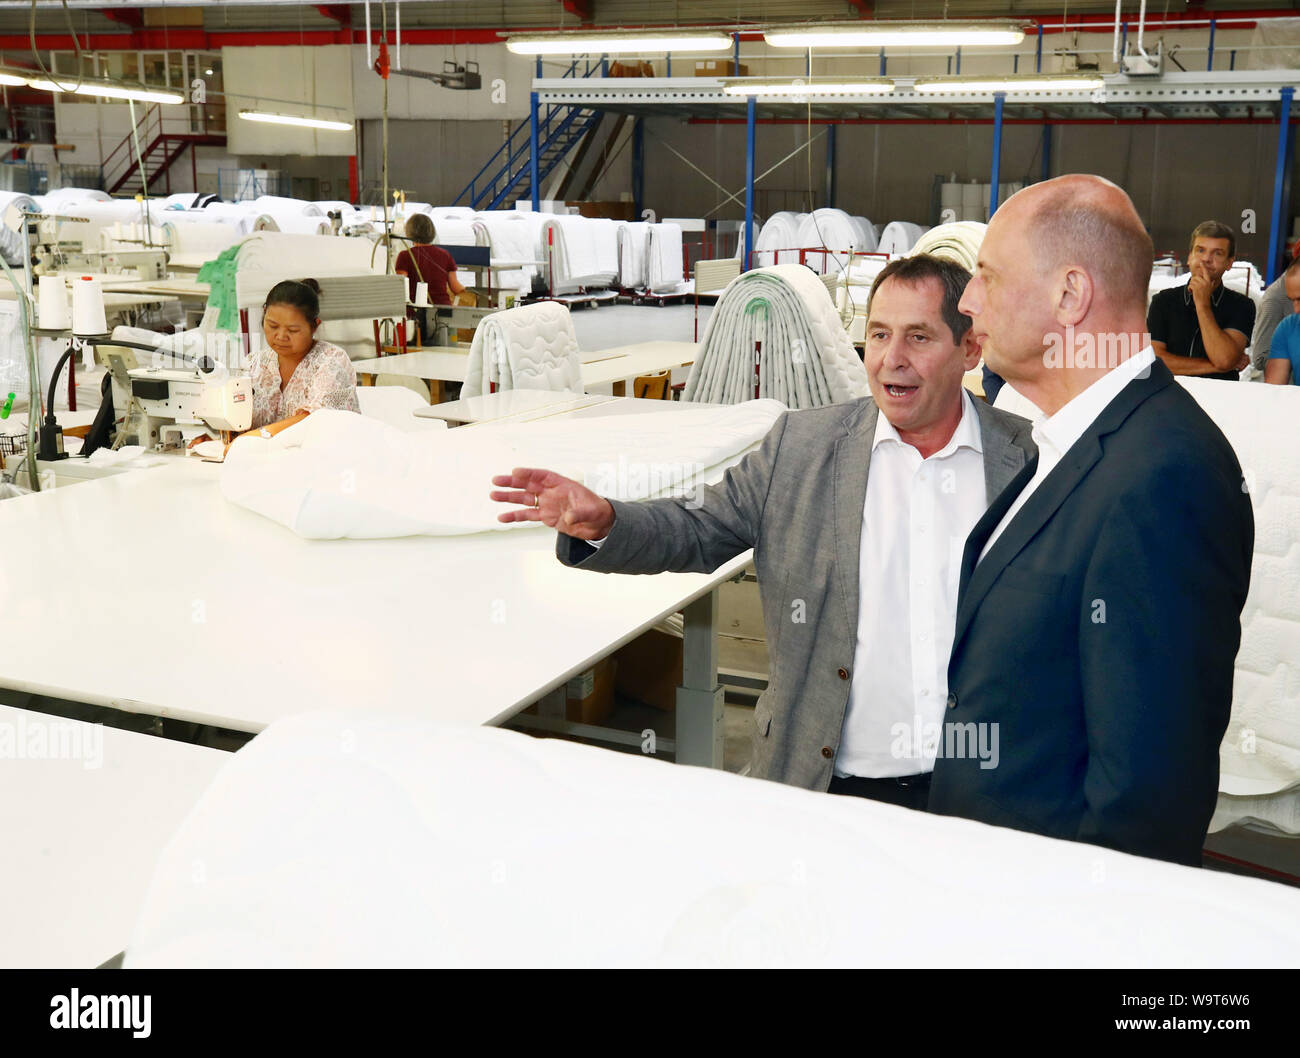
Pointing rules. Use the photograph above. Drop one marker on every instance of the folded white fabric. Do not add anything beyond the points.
(838, 231)
(338, 475)
(512, 237)
(807, 359)
(530, 347)
(483, 847)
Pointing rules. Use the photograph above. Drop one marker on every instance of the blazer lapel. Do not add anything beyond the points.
(1006, 448)
(852, 463)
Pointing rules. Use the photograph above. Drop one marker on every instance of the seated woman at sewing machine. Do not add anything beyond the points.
(295, 373)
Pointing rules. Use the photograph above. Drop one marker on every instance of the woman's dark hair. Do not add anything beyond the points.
(420, 228)
(302, 294)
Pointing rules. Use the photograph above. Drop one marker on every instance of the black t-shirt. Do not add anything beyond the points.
(1172, 319)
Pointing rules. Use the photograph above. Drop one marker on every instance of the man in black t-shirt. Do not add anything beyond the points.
(1203, 328)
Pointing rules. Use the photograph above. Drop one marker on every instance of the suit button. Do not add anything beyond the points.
(827, 752)
(952, 700)
(843, 674)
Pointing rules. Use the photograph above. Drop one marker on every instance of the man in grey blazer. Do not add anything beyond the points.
(857, 520)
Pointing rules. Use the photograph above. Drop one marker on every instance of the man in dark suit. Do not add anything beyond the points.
(1101, 593)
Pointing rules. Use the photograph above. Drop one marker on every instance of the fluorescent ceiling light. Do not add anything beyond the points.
(1014, 83)
(802, 89)
(11, 79)
(616, 43)
(107, 90)
(292, 119)
(897, 35)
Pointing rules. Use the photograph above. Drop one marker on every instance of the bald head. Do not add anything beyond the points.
(1087, 222)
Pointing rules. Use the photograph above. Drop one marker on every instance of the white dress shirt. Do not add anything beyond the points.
(1057, 434)
(915, 521)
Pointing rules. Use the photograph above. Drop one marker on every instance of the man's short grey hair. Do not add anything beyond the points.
(918, 268)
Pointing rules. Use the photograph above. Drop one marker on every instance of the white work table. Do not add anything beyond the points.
(222, 617)
(601, 367)
(80, 843)
(510, 405)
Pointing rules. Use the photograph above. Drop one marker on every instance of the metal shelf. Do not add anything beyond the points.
(1241, 94)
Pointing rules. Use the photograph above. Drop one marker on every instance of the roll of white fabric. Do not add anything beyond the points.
(779, 232)
(13, 205)
(307, 255)
(870, 234)
(899, 237)
(958, 242)
(63, 196)
(192, 245)
(950, 195)
(330, 205)
(807, 359)
(274, 204)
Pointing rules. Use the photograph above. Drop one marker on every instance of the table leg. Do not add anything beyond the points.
(435, 391)
(364, 379)
(620, 388)
(700, 732)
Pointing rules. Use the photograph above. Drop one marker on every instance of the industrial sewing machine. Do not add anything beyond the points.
(166, 406)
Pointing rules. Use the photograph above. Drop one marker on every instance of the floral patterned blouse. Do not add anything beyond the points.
(324, 378)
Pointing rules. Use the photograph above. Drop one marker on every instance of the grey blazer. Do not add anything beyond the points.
(797, 501)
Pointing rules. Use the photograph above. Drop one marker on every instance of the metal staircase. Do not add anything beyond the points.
(160, 148)
(559, 130)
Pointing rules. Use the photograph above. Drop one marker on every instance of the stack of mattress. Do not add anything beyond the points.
(531, 347)
(512, 236)
(664, 266)
(633, 238)
(1259, 760)
(294, 477)
(806, 358)
(959, 242)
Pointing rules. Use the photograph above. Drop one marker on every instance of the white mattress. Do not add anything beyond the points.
(403, 484)
(351, 839)
(664, 268)
(807, 358)
(1260, 755)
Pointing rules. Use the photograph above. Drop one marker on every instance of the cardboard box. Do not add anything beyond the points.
(631, 69)
(719, 68)
(589, 696)
(650, 670)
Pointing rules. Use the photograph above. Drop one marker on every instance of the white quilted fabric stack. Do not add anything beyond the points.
(779, 232)
(899, 237)
(633, 238)
(664, 269)
(531, 347)
(807, 359)
(835, 230)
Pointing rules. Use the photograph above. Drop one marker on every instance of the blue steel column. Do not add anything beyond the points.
(735, 55)
(749, 178)
(1038, 52)
(1209, 60)
(533, 165)
(638, 167)
(1276, 236)
(830, 165)
(998, 99)
(1046, 173)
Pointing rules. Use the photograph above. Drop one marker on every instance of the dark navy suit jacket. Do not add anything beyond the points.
(1100, 633)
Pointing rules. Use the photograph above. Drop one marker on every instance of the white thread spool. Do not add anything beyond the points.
(88, 307)
(53, 294)
(422, 294)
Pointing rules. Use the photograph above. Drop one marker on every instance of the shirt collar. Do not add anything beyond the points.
(967, 434)
(1215, 298)
(1064, 428)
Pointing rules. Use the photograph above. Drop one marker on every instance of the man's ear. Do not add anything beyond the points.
(970, 350)
(1074, 296)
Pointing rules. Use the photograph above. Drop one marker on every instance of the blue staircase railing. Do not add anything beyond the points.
(560, 126)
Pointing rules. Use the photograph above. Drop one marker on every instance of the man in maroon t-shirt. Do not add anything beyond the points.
(424, 263)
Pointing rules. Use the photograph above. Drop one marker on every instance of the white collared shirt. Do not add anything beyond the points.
(915, 521)
(1056, 434)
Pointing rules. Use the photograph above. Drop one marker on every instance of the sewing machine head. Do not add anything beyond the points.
(165, 406)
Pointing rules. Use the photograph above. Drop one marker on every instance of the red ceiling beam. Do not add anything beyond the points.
(126, 17)
(989, 121)
(340, 13)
